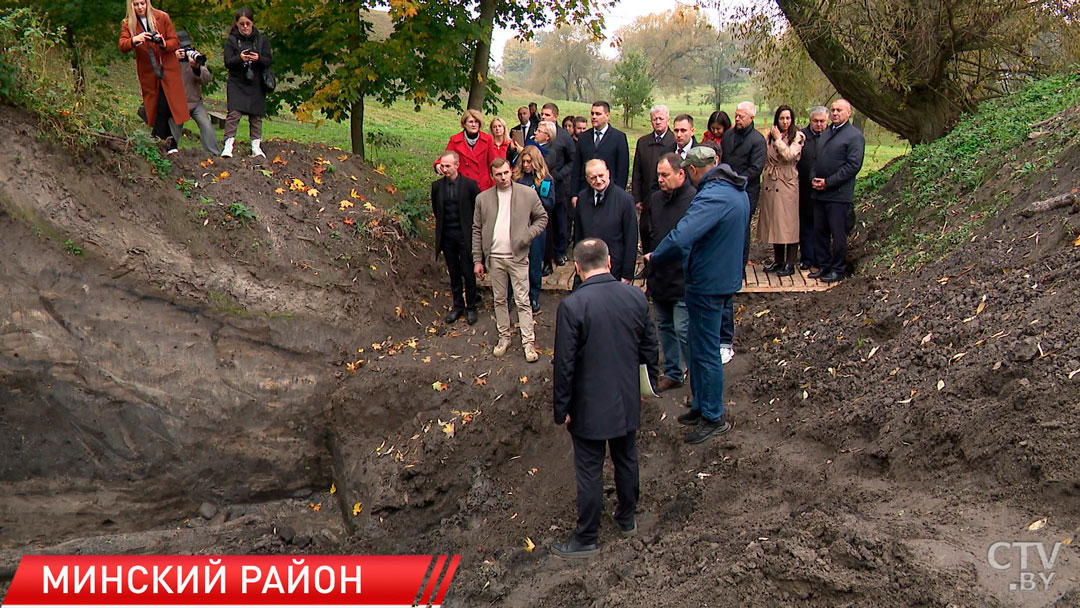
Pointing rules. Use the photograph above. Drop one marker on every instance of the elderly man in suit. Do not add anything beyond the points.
(648, 150)
(602, 335)
(452, 203)
(506, 220)
(745, 151)
(839, 159)
(606, 211)
(605, 142)
(819, 119)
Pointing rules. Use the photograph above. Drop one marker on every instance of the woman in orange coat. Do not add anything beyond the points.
(475, 150)
(150, 33)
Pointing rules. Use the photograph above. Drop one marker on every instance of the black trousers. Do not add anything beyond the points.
(807, 238)
(753, 194)
(830, 226)
(462, 280)
(161, 128)
(589, 470)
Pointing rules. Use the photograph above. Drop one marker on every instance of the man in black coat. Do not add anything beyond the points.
(648, 150)
(839, 159)
(745, 152)
(602, 335)
(605, 142)
(606, 211)
(561, 161)
(819, 119)
(527, 124)
(665, 284)
(453, 199)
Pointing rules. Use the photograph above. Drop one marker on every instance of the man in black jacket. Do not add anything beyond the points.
(665, 284)
(605, 142)
(527, 124)
(606, 211)
(819, 119)
(839, 159)
(561, 160)
(648, 150)
(453, 199)
(602, 335)
(745, 152)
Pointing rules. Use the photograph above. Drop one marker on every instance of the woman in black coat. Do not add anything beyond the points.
(247, 56)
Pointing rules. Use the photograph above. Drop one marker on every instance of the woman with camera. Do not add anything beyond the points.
(247, 57)
(150, 33)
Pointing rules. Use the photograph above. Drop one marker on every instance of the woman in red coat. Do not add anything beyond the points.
(474, 148)
(150, 33)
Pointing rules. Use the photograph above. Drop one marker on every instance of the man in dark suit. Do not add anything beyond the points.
(745, 152)
(602, 335)
(561, 158)
(605, 142)
(605, 211)
(648, 150)
(527, 124)
(839, 159)
(453, 200)
(819, 119)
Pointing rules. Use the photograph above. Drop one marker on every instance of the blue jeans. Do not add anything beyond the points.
(536, 266)
(706, 368)
(727, 321)
(671, 322)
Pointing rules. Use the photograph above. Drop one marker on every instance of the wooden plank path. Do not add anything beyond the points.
(757, 280)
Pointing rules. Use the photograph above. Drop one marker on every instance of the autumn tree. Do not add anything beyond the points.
(567, 63)
(679, 44)
(785, 73)
(631, 86)
(517, 59)
(914, 66)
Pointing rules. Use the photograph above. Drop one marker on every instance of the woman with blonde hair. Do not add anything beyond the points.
(505, 146)
(150, 33)
(532, 171)
(474, 149)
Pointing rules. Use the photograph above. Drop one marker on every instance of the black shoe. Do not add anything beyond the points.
(561, 260)
(805, 265)
(815, 274)
(535, 307)
(454, 315)
(470, 316)
(706, 429)
(547, 269)
(572, 549)
(690, 418)
(786, 271)
(774, 267)
(830, 277)
(628, 531)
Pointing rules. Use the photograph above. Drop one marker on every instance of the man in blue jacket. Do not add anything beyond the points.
(603, 333)
(710, 240)
(839, 159)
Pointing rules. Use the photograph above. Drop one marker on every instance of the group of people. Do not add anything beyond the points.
(172, 75)
(509, 202)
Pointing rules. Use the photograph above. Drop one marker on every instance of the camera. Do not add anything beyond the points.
(156, 38)
(194, 56)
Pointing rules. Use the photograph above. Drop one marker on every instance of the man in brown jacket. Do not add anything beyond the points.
(506, 220)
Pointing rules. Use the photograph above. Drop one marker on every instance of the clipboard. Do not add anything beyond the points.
(519, 137)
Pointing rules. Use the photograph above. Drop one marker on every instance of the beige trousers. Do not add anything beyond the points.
(503, 270)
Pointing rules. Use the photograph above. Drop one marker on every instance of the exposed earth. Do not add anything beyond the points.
(179, 377)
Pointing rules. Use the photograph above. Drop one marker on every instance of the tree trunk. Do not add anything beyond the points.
(919, 115)
(356, 127)
(482, 58)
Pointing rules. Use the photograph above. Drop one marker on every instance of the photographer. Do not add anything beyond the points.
(195, 79)
(247, 56)
(149, 32)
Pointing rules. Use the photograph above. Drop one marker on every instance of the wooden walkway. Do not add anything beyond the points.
(757, 280)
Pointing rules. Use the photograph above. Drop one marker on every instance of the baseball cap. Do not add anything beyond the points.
(699, 156)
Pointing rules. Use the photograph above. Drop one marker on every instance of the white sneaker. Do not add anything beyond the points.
(226, 152)
(530, 353)
(256, 148)
(500, 348)
(727, 352)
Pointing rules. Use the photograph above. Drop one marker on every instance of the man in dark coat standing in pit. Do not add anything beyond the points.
(453, 200)
(606, 211)
(602, 335)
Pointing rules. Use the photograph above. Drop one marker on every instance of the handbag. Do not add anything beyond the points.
(269, 81)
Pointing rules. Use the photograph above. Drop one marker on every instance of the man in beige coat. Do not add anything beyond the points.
(506, 220)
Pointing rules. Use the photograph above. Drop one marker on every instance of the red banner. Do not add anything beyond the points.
(231, 580)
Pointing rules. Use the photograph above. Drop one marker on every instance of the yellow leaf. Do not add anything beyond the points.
(1076, 243)
(439, 386)
(343, 157)
(391, 189)
(357, 509)
(381, 169)
(369, 207)
(1036, 525)
(333, 488)
(353, 193)
(524, 379)
(316, 508)
(374, 268)
(761, 313)
(427, 359)
(376, 346)
(481, 381)
(353, 178)
(343, 205)
(312, 192)
(297, 184)
(279, 191)
(222, 175)
(448, 428)
(524, 395)
(411, 343)
(206, 163)
(425, 303)
(529, 544)
(399, 312)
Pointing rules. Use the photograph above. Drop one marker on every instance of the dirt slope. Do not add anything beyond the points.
(192, 384)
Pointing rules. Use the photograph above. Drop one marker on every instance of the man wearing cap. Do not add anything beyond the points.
(709, 240)
(195, 76)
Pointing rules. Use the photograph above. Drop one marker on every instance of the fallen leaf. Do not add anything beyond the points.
(222, 175)
(206, 163)
(343, 205)
(524, 379)
(376, 346)
(399, 312)
(369, 207)
(348, 221)
(940, 384)
(266, 172)
(1076, 243)
(279, 161)
(353, 193)
(333, 488)
(439, 386)
(317, 179)
(481, 381)
(427, 359)
(524, 395)
(357, 509)
(391, 189)
(298, 185)
(343, 157)
(448, 428)
(312, 192)
(957, 357)
(381, 169)
(529, 545)
(316, 508)
(279, 190)
(927, 337)
(353, 178)
(374, 268)
(873, 351)
(1036, 525)
(1073, 373)
(425, 303)
(762, 313)
(411, 343)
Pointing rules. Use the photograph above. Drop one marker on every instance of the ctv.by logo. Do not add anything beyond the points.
(1033, 572)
